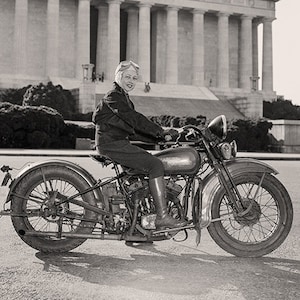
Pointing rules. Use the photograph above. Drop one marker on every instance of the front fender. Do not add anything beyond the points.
(53, 163)
(211, 183)
(249, 165)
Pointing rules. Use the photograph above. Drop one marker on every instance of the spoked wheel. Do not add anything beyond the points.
(40, 220)
(264, 223)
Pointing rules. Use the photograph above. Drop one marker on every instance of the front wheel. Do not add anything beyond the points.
(264, 225)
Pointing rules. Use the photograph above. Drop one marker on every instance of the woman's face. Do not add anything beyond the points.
(129, 79)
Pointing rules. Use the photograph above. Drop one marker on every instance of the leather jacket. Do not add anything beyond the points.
(116, 119)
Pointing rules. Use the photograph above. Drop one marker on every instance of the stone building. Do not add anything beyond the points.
(198, 56)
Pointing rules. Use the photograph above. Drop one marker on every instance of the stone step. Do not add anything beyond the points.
(164, 90)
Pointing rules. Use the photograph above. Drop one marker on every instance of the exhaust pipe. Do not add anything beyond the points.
(70, 235)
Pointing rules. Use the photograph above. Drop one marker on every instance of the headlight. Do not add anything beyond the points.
(218, 127)
(234, 148)
(228, 150)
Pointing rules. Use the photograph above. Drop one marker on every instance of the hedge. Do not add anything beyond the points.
(49, 95)
(39, 127)
(43, 127)
(250, 135)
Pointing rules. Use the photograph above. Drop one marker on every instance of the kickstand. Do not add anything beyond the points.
(59, 225)
(198, 236)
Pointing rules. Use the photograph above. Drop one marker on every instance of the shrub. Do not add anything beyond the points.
(33, 127)
(281, 109)
(52, 96)
(250, 135)
(14, 96)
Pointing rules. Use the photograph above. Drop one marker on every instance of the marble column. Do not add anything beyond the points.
(20, 36)
(255, 55)
(267, 63)
(198, 47)
(172, 45)
(83, 36)
(132, 34)
(113, 38)
(52, 60)
(223, 51)
(144, 58)
(102, 39)
(245, 63)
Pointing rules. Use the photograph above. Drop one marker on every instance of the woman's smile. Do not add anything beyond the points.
(129, 80)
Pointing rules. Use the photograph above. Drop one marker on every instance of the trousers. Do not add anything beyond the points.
(132, 156)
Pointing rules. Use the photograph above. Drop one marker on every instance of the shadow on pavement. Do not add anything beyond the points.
(184, 274)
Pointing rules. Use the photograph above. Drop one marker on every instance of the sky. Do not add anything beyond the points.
(286, 50)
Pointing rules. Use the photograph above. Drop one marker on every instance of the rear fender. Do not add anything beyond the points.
(211, 183)
(54, 163)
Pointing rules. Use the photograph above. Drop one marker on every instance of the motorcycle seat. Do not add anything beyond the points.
(107, 161)
(131, 171)
(102, 159)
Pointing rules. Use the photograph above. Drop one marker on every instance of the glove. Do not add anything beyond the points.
(170, 135)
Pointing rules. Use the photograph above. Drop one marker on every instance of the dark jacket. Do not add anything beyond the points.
(116, 119)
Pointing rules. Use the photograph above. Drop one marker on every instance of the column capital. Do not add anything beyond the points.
(257, 21)
(84, 0)
(173, 8)
(247, 17)
(145, 4)
(198, 11)
(268, 19)
(114, 2)
(223, 14)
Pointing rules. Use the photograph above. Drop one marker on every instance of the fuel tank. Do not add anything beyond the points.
(181, 160)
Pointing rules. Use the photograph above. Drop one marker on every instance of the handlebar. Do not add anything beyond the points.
(192, 131)
(189, 131)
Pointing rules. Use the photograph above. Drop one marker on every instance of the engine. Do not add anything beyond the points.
(147, 205)
(138, 189)
(119, 222)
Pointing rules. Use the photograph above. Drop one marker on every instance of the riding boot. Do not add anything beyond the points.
(163, 219)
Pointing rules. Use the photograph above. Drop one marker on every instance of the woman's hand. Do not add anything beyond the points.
(170, 135)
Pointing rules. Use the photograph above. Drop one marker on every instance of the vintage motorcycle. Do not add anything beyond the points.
(56, 205)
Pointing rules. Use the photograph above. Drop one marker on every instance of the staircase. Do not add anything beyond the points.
(176, 100)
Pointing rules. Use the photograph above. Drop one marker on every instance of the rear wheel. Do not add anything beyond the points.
(37, 215)
(264, 225)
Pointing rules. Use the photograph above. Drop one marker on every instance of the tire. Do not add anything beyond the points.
(264, 228)
(30, 196)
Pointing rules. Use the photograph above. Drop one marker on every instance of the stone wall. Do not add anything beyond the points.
(287, 135)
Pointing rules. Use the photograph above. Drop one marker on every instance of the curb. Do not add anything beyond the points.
(87, 153)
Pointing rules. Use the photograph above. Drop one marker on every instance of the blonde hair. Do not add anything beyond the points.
(122, 66)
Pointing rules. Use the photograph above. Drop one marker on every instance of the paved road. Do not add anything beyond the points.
(165, 270)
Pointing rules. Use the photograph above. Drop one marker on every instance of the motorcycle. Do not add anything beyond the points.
(56, 205)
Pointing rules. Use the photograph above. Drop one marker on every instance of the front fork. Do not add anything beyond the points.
(234, 196)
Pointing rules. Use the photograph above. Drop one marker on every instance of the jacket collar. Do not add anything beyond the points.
(119, 89)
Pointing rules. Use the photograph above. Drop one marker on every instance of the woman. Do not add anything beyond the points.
(116, 122)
